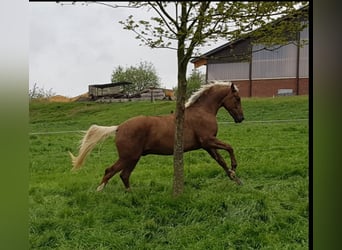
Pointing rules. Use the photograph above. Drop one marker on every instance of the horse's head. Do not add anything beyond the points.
(232, 104)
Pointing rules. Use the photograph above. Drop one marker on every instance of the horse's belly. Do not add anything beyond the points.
(167, 148)
(157, 152)
(160, 148)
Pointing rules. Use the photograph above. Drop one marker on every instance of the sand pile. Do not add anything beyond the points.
(60, 98)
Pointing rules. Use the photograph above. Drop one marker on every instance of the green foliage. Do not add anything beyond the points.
(209, 21)
(283, 31)
(270, 211)
(142, 76)
(194, 82)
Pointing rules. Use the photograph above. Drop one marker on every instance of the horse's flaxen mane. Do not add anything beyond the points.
(194, 97)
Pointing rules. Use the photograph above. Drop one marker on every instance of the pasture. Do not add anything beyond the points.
(270, 211)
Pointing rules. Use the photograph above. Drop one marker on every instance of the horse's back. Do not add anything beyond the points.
(146, 135)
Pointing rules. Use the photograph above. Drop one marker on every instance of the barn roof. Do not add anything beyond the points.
(201, 60)
(108, 85)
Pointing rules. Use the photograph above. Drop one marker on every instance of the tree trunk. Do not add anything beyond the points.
(182, 62)
(178, 175)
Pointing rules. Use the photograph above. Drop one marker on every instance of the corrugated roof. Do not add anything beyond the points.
(245, 36)
(108, 85)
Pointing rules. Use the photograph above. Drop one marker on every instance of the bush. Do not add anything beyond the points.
(40, 93)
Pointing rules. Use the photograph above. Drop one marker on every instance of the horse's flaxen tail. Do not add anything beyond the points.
(93, 135)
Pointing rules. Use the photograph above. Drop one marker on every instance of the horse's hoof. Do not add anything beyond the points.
(99, 188)
(238, 181)
(231, 175)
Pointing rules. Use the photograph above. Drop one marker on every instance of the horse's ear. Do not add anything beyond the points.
(233, 87)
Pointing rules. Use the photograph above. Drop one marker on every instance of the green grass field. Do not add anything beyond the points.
(270, 211)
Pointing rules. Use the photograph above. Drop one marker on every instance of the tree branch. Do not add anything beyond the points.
(197, 37)
(160, 5)
(115, 5)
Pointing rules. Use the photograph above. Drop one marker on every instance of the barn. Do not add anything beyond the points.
(107, 90)
(114, 92)
(258, 70)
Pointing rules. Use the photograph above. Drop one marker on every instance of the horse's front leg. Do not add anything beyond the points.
(219, 159)
(214, 143)
(211, 147)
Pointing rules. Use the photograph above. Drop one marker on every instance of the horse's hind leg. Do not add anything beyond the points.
(109, 173)
(126, 173)
(125, 166)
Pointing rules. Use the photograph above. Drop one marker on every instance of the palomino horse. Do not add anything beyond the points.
(144, 135)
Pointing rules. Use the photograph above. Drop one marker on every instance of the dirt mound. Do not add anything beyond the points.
(83, 97)
(60, 98)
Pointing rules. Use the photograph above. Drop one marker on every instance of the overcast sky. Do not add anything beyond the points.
(72, 46)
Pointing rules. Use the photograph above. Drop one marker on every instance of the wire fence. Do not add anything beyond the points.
(271, 121)
(261, 121)
(58, 132)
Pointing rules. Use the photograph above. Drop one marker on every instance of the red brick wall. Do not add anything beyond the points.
(304, 86)
(269, 87)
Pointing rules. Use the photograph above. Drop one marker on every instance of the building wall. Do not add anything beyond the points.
(275, 62)
(304, 86)
(272, 68)
(270, 87)
(228, 71)
(93, 90)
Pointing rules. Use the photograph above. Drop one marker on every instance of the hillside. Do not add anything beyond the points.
(79, 115)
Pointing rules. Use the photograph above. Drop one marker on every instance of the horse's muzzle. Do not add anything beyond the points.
(239, 119)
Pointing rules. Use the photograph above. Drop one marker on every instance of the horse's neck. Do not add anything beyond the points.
(210, 104)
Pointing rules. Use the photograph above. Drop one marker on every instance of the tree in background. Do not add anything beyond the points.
(37, 92)
(194, 82)
(142, 76)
